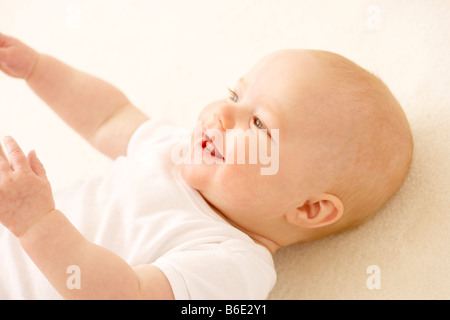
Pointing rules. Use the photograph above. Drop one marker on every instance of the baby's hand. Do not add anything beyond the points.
(16, 58)
(25, 192)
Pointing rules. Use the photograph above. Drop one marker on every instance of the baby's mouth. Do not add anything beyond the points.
(209, 146)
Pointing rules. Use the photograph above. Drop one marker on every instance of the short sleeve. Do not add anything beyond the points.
(218, 272)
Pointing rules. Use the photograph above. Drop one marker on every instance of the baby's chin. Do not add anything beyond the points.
(196, 175)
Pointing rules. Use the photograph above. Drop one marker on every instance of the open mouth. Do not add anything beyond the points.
(209, 146)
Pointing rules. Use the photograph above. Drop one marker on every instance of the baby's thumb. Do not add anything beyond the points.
(36, 165)
(2, 54)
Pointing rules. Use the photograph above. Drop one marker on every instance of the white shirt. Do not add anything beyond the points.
(144, 211)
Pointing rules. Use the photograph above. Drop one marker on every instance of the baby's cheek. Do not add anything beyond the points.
(240, 184)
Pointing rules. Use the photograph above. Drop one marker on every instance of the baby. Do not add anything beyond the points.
(206, 227)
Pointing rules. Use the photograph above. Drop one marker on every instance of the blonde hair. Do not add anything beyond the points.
(378, 150)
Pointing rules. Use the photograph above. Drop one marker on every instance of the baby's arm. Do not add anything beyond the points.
(98, 111)
(27, 209)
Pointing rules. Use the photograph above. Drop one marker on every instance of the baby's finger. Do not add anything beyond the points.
(2, 38)
(4, 164)
(36, 165)
(2, 54)
(17, 158)
(2, 154)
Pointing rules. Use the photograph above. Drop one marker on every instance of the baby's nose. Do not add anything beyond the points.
(225, 114)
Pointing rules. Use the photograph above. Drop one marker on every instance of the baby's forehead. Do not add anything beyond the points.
(318, 83)
(290, 74)
(284, 64)
(293, 81)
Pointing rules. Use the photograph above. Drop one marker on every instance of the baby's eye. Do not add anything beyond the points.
(233, 95)
(257, 122)
(260, 125)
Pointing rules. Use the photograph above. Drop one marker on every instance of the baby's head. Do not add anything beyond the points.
(344, 147)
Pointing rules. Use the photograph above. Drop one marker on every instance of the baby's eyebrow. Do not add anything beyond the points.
(242, 82)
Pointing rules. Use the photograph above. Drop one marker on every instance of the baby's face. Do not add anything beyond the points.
(274, 106)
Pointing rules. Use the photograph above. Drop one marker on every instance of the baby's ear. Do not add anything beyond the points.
(317, 212)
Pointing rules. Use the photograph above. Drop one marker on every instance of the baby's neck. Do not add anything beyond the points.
(270, 245)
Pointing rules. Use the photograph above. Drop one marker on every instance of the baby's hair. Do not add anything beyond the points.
(378, 151)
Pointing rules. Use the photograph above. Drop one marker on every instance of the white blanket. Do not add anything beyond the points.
(173, 57)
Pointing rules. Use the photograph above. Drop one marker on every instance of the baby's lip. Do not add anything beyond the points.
(206, 139)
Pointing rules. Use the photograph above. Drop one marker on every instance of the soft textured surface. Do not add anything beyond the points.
(173, 57)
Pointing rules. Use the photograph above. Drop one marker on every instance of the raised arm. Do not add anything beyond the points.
(27, 209)
(98, 111)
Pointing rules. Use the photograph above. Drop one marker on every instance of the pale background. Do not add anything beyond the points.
(173, 57)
